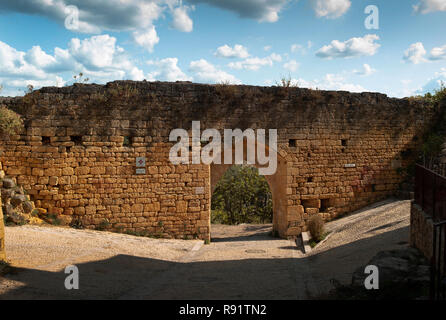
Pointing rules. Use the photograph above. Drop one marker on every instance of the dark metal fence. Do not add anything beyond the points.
(438, 263)
(430, 194)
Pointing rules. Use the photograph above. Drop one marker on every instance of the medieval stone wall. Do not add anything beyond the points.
(2, 231)
(339, 151)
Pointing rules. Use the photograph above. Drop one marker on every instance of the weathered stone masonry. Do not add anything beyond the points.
(339, 151)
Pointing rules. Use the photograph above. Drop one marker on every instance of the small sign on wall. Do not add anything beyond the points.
(141, 162)
(350, 165)
(199, 190)
(140, 171)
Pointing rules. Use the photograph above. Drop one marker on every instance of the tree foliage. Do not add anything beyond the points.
(242, 196)
(10, 122)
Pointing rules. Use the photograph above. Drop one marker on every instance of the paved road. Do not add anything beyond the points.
(242, 262)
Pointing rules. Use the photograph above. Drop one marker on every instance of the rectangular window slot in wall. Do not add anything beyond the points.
(76, 139)
(46, 140)
(292, 143)
(326, 204)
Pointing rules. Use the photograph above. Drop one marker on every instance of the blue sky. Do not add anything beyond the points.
(318, 43)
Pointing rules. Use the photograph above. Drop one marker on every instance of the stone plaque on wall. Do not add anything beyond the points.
(199, 190)
(141, 162)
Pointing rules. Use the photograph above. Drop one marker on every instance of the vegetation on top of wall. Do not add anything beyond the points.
(10, 122)
(242, 196)
(287, 82)
(433, 140)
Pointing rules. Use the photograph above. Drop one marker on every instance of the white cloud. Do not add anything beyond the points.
(98, 58)
(204, 71)
(147, 38)
(260, 10)
(438, 53)
(427, 6)
(226, 51)
(167, 70)
(181, 20)
(296, 48)
(366, 71)
(415, 53)
(331, 9)
(267, 48)
(255, 63)
(135, 16)
(434, 83)
(354, 47)
(330, 82)
(291, 65)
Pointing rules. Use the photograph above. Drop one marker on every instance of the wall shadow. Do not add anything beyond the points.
(130, 277)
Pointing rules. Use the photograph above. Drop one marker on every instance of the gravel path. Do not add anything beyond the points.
(242, 262)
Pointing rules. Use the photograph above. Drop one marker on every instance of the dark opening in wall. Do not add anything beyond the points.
(309, 155)
(310, 179)
(344, 142)
(68, 149)
(76, 139)
(292, 143)
(373, 187)
(46, 140)
(325, 204)
(127, 141)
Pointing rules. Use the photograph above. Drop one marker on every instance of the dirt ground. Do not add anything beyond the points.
(242, 262)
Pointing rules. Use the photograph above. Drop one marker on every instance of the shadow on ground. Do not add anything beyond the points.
(129, 277)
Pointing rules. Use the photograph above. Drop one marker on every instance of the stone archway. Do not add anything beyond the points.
(277, 185)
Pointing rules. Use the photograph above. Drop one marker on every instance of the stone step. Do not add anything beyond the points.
(305, 242)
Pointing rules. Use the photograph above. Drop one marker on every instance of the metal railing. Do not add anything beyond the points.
(438, 263)
(430, 195)
(430, 192)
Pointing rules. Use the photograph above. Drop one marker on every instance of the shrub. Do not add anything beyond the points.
(316, 227)
(10, 122)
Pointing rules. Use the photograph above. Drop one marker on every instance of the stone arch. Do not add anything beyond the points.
(277, 184)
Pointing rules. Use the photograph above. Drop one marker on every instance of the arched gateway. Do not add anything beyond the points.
(99, 155)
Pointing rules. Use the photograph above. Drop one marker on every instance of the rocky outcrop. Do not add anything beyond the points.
(17, 206)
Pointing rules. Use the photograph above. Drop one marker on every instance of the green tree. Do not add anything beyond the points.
(242, 196)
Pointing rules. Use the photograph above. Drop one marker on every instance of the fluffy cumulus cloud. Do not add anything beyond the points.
(98, 58)
(366, 70)
(147, 38)
(181, 20)
(416, 54)
(203, 71)
(427, 6)
(354, 47)
(135, 16)
(255, 63)
(330, 82)
(331, 9)
(167, 70)
(291, 65)
(438, 53)
(260, 10)
(434, 83)
(238, 51)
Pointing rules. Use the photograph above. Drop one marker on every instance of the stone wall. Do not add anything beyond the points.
(421, 230)
(2, 231)
(339, 151)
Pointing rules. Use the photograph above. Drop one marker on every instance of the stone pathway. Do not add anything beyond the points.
(242, 262)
